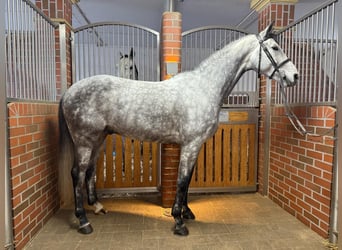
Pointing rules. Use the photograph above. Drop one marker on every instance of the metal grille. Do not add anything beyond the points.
(30, 52)
(97, 49)
(198, 44)
(311, 43)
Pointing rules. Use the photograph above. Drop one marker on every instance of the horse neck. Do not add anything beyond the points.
(223, 69)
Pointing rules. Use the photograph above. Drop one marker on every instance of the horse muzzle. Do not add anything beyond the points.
(290, 81)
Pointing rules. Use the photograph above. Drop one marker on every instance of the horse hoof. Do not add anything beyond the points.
(85, 229)
(181, 230)
(101, 211)
(188, 214)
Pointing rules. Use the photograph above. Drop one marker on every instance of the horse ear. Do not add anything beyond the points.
(121, 55)
(268, 32)
(131, 53)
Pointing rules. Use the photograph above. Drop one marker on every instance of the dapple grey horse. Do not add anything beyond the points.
(182, 110)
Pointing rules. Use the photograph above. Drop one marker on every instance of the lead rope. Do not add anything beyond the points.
(294, 119)
(291, 116)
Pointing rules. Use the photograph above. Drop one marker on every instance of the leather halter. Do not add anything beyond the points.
(269, 56)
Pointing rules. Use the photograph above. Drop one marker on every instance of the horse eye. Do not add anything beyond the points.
(130, 67)
(275, 48)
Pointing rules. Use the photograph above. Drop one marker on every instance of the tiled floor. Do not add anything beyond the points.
(225, 221)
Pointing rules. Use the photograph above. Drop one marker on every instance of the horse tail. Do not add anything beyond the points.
(66, 159)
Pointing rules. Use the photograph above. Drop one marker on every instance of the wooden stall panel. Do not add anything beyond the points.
(127, 163)
(227, 160)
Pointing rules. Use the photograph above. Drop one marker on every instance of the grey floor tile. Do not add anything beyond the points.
(234, 222)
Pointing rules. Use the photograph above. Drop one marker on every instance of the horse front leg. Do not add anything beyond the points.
(180, 208)
(186, 211)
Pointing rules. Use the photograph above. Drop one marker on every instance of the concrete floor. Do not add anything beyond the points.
(224, 221)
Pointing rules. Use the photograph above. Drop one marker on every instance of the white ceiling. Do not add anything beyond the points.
(195, 13)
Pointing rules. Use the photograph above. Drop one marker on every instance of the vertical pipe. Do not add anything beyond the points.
(144, 45)
(333, 231)
(112, 51)
(338, 143)
(158, 63)
(332, 54)
(46, 89)
(73, 56)
(63, 63)
(267, 136)
(9, 51)
(37, 58)
(299, 95)
(91, 51)
(6, 238)
(312, 52)
(306, 61)
(336, 204)
(316, 59)
(325, 52)
(36, 49)
(15, 46)
(170, 5)
(320, 70)
(86, 38)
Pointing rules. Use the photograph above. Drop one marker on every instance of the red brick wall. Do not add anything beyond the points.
(300, 171)
(33, 156)
(300, 168)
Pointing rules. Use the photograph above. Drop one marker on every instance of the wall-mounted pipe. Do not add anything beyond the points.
(333, 230)
(5, 177)
(339, 121)
(171, 5)
(9, 245)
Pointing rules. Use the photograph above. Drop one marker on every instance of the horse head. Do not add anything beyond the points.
(272, 61)
(127, 67)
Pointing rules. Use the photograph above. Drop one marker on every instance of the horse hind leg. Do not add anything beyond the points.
(91, 191)
(80, 173)
(78, 177)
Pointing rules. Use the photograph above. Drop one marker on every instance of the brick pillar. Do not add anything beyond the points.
(282, 12)
(171, 44)
(60, 11)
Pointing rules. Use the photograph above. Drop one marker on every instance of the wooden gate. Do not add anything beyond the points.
(127, 164)
(227, 161)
